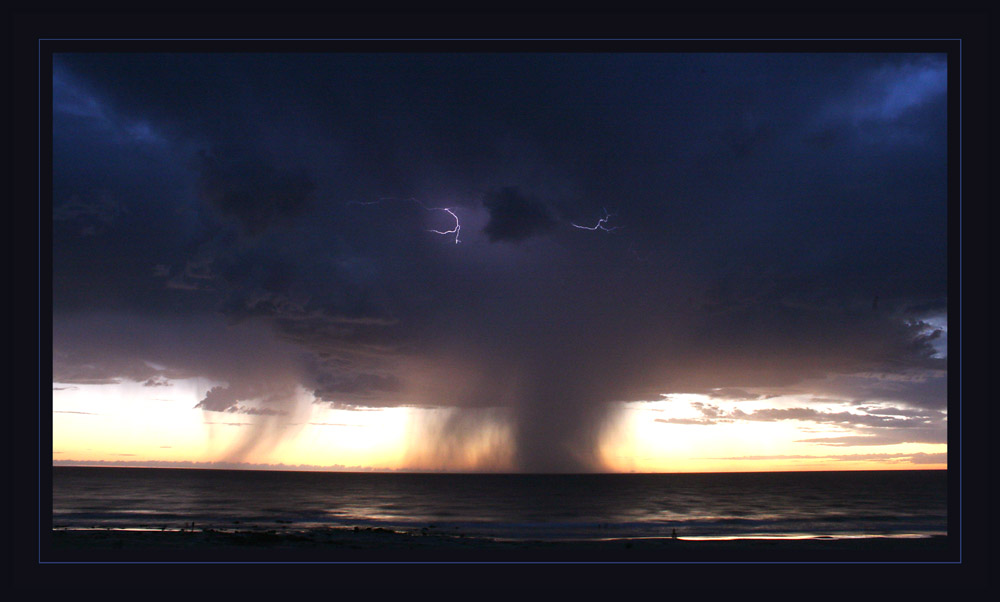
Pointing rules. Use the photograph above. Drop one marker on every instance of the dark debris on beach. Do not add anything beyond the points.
(374, 544)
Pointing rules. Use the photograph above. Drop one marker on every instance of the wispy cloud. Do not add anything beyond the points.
(910, 458)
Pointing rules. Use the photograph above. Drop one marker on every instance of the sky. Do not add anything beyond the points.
(501, 261)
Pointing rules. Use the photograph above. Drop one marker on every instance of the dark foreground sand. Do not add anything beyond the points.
(379, 545)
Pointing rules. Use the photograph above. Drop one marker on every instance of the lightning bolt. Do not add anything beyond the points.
(601, 223)
(456, 230)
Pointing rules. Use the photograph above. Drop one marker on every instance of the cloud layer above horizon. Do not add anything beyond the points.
(277, 221)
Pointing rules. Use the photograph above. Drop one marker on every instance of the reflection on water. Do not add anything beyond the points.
(785, 505)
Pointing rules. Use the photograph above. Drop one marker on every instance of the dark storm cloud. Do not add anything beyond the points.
(916, 388)
(91, 216)
(219, 399)
(228, 398)
(514, 216)
(330, 387)
(157, 381)
(203, 223)
(252, 192)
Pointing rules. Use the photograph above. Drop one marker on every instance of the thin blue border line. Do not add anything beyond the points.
(500, 562)
(960, 438)
(500, 39)
(39, 111)
(959, 40)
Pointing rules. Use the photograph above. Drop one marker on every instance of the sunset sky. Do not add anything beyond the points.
(500, 261)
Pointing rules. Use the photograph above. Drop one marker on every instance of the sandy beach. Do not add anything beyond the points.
(379, 545)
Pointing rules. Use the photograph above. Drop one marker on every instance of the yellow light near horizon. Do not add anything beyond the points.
(128, 422)
(347, 439)
(650, 445)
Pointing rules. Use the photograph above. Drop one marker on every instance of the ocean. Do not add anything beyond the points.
(786, 505)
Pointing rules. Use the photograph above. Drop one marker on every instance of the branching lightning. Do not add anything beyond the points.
(456, 230)
(601, 223)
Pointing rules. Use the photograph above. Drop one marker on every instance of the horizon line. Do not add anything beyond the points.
(364, 470)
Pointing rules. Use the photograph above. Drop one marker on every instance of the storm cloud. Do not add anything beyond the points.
(214, 217)
(514, 217)
(252, 192)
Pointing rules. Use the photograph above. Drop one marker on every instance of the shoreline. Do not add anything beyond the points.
(375, 544)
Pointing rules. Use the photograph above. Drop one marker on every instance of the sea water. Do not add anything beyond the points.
(508, 506)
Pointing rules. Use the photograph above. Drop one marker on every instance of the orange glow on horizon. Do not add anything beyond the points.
(131, 424)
